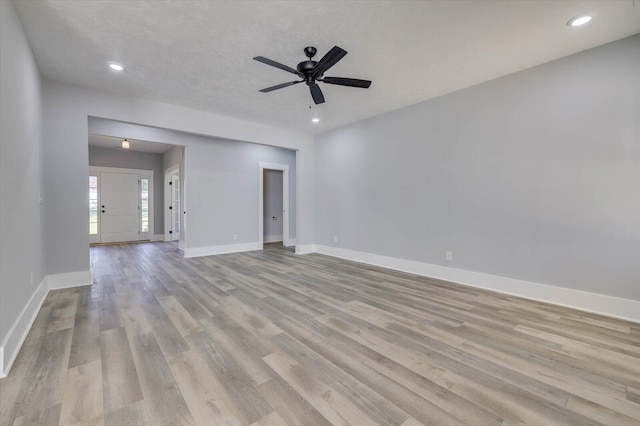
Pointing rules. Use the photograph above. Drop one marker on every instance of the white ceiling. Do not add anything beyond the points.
(112, 142)
(199, 53)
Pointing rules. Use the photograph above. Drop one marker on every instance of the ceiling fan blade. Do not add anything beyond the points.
(351, 82)
(277, 65)
(316, 93)
(280, 86)
(329, 60)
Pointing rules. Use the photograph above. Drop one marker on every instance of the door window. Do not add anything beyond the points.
(93, 205)
(144, 205)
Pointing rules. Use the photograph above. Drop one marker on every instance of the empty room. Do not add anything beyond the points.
(320, 212)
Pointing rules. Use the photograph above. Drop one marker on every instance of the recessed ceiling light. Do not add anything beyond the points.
(315, 120)
(115, 66)
(125, 144)
(579, 20)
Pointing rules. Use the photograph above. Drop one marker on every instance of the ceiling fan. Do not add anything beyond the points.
(311, 72)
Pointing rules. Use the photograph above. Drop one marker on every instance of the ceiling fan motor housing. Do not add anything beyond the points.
(306, 67)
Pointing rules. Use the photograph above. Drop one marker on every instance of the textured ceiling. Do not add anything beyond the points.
(199, 53)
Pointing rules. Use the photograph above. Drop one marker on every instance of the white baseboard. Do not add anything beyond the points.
(611, 306)
(272, 238)
(181, 245)
(306, 249)
(158, 237)
(20, 328)
(290, 242)
(224, 249)
(70, 279)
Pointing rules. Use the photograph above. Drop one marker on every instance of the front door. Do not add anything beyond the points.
(119, 207)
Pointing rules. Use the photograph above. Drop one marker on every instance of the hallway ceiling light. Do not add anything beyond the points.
(579, 20)
(315, 120)
(125, 144)
(115, 66)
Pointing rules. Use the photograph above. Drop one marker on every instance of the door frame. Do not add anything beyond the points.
(285, 201)
(168, 212)
(142, 174)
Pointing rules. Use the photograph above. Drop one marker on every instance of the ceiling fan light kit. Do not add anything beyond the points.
(312, 72)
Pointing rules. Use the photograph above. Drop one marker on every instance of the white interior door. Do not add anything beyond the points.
(172, 204)
(119, 214)
(175, 206)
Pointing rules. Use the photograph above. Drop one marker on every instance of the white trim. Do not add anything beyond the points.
(70, 279)
(290, 242)
(306, 248)
(157, 237)
(181, 245)
(285, 199)
(168, 213)
(611, 306)
(142, 174)
(273, 238)
(213, 250)
(18, 333)
(99, 169)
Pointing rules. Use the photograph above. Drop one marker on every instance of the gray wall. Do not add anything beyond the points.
(534, 176)
(221, 182)
(21, 215)
(272, 195)
(172, 157)
(107, 157)
(67, 109)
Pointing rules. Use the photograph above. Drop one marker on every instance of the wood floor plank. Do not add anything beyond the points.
(206, 397)
(47, 417)
(82, 403)
(43, 384)
(169, 338)
(416, 395)
(271, 419)
(272, 338)
(180, 317)
(162, 397)
(121, 386)
(330, 403)
(291, 406)
(63, 312)
(236, 381)
(130, 415)
(600, 413)
(393, 392)
(85, 344)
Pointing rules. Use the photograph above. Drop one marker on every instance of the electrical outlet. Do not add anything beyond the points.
(235, 237)
(335, 239)
(448, 256)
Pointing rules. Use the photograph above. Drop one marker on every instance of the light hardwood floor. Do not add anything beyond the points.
(270, 338)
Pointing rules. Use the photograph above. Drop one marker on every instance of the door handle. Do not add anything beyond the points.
(103, 211)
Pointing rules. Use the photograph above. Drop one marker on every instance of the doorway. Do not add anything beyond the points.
(273, 203)
(273, 206)
(120, 205)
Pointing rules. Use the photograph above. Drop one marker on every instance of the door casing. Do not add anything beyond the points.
(142, 174)
(285, 201)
